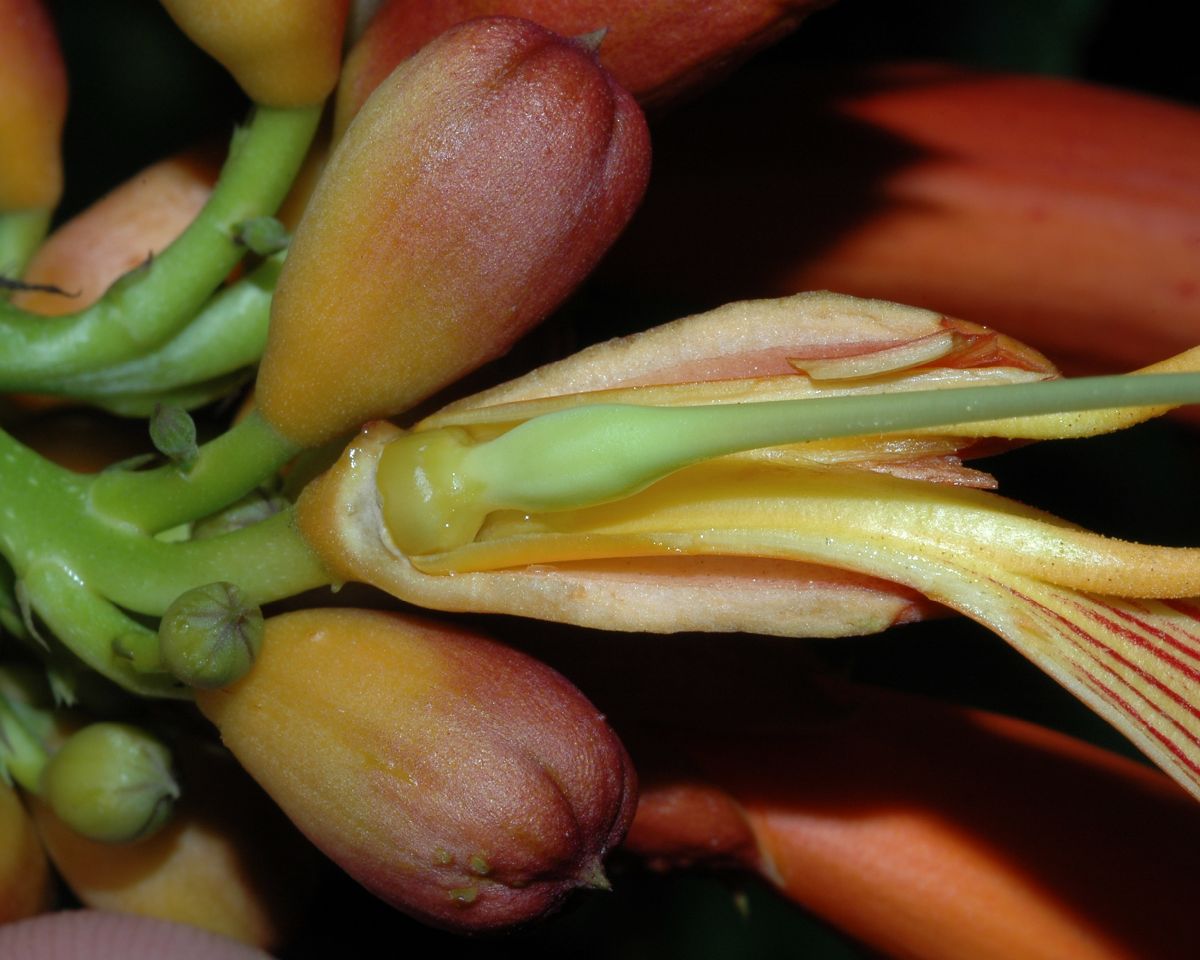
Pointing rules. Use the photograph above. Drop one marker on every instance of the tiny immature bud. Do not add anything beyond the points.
(473, 191)
(111, 782)
(228, 861)
(459, 780)
(173, 433)
(210, 636)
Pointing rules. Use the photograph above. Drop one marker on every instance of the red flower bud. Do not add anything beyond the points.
(655, 48)
(472, 193)
(283, 53)
(461, 781)
(33, 105)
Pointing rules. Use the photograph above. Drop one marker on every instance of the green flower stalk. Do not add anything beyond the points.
(152, 303)
(83, 568)
(226, 336)
(22, 754)
(110, 782)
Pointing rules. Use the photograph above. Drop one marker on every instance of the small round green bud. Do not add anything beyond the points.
(210, 636)
(111, 782)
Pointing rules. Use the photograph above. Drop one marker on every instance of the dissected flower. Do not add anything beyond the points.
(1106, 618)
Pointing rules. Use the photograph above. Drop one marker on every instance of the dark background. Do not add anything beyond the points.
(140, 91)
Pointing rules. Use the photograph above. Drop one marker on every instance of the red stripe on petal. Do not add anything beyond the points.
(1156, 631)
(1127, 709)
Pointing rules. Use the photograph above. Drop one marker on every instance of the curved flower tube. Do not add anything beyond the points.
(965, 191)
(878, 810)
(1108, 619)
(153, 303)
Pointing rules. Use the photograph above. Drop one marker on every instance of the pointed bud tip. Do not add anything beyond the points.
(592, 40)
(593, 877)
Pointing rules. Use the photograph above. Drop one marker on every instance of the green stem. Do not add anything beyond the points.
(141, 406)
(227, 335)
(226, 469)
(48, 521)
(107, 640)
(268, 561)
(22, 755)
(21, 231)
(147, 306)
